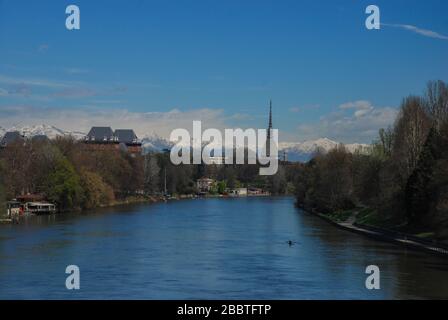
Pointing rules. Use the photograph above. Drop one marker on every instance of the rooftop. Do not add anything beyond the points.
(126, 135)
(100, 134)
(10, 137)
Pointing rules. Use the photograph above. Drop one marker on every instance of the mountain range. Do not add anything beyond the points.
(295, 151)
(44, 129)
(303, 151)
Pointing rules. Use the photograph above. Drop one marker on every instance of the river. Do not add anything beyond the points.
(207, 249)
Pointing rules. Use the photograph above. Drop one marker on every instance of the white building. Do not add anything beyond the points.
(204, 184)
(238, 192)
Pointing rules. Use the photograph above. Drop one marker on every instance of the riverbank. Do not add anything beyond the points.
(127, 201)
(348, 222)
(141, 200)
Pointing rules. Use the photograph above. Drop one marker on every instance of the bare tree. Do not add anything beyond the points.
(151, 173)
(436, 102)
(411, 130)
(386, 141)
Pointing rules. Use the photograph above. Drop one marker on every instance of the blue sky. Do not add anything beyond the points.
(156, 65)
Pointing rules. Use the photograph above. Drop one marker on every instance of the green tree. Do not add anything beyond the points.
(222, 186)
(63, 186)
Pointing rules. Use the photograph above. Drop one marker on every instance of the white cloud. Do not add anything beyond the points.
(75, 71)
(82, 119)
(357, 121)
(361, 113)
(423, 32)
(48, 89)
(75, 92)
(358, 105)
(35, 82)
(298, 109)
(361, 107)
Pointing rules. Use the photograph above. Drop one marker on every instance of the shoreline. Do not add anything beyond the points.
(384, 235)
(135, 201)
(5, 220)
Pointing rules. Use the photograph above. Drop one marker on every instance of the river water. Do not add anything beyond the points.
(207, 249)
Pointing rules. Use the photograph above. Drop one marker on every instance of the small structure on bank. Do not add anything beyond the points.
(252, 191)
(29, 204)
(238, 192)
(205, 184)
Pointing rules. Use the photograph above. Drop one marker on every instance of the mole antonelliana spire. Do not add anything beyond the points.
(270, 114)
(268, 138)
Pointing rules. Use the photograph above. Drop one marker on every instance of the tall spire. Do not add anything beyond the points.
(268, 138)
(270, 115)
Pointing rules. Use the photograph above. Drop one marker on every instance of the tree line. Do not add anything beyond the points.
(404, 176)
(71, 175)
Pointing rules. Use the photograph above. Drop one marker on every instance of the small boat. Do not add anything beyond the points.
(39, 208)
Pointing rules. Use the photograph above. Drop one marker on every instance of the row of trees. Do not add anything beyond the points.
(68, 174)
(404, 177)
(181, 179)
(73, 176)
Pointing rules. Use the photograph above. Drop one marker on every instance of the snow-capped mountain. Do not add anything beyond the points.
(43, 129)
(295, 151)
(155, 143)
(152, 142)
(303, 151)
(31, 131)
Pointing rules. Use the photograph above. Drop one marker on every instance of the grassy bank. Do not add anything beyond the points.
(364, 216)
(340, 215)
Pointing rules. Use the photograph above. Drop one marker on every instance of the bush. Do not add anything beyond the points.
(97, 193)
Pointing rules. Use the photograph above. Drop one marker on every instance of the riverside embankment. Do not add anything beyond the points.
(382, 234)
